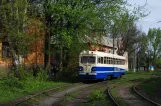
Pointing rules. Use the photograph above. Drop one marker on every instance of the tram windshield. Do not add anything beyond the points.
(88, 59)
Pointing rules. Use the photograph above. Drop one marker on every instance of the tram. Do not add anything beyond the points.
(101, 65)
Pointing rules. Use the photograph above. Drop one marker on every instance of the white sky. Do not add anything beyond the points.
(153, 6)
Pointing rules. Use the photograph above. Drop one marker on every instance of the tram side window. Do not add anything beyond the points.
(114, 61)
(101, 60)
(118, 61)
(123, 62)
(104, 60)
(108, 60)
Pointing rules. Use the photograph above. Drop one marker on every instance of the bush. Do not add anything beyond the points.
(20, 72)
(42, 75)
(68, 75)
(96, 96)
(12, 82)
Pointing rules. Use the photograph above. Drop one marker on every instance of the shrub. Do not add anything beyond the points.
(12, 82)
(20, 72)
(96, 96)
(42, 75)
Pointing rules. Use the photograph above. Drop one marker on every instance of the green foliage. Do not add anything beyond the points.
(42, 75)
(20, 72)
(68, 74)
(69, 20)
(12, 88)
(151, 90)
(154, 45)
(14, 16)
(157, 62)
(96, 96)
(12, 82)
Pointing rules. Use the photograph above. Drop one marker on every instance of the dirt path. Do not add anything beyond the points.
(130, 98)
(79, 98)
(54, 97)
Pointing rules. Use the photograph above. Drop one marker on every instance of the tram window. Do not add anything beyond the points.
(108, 60)
(101, 60)
(88, 59)
(123, 62)
(105, 60)
(118, 61)
(112, 62)
(115, 61)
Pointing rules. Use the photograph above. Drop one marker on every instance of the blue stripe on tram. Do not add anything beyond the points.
(108, 68)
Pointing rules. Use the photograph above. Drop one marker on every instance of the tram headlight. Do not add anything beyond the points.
(93, 69)
(80, 68)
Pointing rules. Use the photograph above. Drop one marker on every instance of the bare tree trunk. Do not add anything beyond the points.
(61, 60)
(47, 44)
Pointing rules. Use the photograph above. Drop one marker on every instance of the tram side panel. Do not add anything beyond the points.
(95, 66)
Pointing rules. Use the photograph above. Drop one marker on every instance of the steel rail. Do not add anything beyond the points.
(109, 93)
(46, 91)
(26, 98)
(147, 99)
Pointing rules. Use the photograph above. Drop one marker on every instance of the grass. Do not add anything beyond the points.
(130, 78)
(3, 72)
(151, 87)
(38, 98)
(11, 89)
(98, 98)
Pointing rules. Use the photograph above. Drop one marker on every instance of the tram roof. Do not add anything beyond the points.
(99, 53)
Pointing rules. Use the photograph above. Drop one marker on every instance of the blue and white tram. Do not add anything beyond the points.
(101, 65)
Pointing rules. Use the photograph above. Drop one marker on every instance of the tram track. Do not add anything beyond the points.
(31, 96)
(79, 97)
(144, 97)
(134, 92)
(53, 95)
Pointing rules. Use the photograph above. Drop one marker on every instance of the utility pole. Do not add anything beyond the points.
(113, 44)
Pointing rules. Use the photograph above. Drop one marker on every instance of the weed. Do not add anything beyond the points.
(95, 96)
(42, 75)
(12, 82)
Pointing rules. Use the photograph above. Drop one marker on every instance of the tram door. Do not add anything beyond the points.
(87, 61)
(87, 68)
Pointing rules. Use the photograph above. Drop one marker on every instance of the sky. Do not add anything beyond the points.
(150, 21)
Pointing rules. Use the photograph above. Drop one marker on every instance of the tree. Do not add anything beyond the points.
(14, 23)
(154, 46)
(65, 19)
